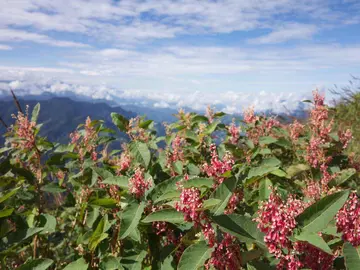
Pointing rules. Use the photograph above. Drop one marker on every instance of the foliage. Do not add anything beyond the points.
(254, 195)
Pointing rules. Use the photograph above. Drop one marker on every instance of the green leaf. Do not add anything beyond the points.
(164, 187)
(317, 216)
(198, 182)
(191, 136)
(35, 113)
(210, 203)
(193, 169)
(264, 189)
(168, 215)
(6, 212)
(267, 140)
(64, 148)
(271, 162)
(224, 192)
(171, 195)
(79, 264)
(178, 167)
(141, 153)
(102, 172)
(260, 171)
(53, 188)
(342, 177)
(134, 262)
(120, 181)
(120, 121)
(352, 256)
(104, 202)
(315, 240)
(242, 227)
(37, 264)
(145, 124)
(195, 256)
(211, 128)
(130, 218)
(48, 222)
(294, 170)
(110, 263)
(6, 196)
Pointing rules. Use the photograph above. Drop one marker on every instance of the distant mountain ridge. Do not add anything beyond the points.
(61, 115)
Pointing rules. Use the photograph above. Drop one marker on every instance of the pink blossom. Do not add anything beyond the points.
(218, 167)
(25, 130)
(233, 202)
(249, 116)
(312, 190)
(345, 137)
(295, 130)
(348, 220)
(234, 132)
(314, 258)
(190, 203)
(138, 185)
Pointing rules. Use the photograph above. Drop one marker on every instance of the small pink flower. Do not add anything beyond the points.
(234, 132)
(295, 130)
(348, 220)
(138, 185)
(345, 137)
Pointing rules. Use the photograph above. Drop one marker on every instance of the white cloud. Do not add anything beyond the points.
(11, 35)
(291, 31)
(5, 47)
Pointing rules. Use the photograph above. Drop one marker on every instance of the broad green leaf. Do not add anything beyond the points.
(240, 226)
(164, 187)
(130, 218)
(195, 256)
(48, 222)
(264, 189)
(92, 217)
(171, 195)
(352, 256)
(211, 128)
(64, 148)
(6, 212)
(224, 192)
(140, 152)
(134, 262)
(9, 194)
(22, 235)
(102, 172)
(317, 216)
(271, 162)
(342, 177)
(145, 124)
(315, 240)
(99, 233)
(79, 264)
(260, 171)
(37, 264)
(120, 121)
(168, 215)
(210, 203)
(193, 169)
(267, 140)
(110, 263)
(191, 136)
(120, 181)
(53, 188)
(178, 167)
(294, 170)
(35, 113)
(198, 182)
(104, 202)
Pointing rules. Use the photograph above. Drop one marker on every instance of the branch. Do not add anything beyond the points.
(3, 123)
(16, 101)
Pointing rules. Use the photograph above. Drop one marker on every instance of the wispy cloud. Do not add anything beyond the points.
(11, 35)
(293, 31)
(5, 47)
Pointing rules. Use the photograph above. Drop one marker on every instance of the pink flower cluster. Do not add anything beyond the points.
(190, 203)
(345, 137)
(138, 185)
(122, 163)
(260, 128)
(295, 130)
(348, 220)
(135, 132)
(234, 132)
(235, 198)
(25, 130)
(277, 220)
(314, 258)
(88, 143)
(218, 167)
(226, 254)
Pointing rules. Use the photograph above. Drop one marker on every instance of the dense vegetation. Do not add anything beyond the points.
(254, 195)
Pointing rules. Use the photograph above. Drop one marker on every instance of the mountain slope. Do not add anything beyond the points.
(61, 116)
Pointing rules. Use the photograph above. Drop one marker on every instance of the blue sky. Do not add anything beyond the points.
(225, 51)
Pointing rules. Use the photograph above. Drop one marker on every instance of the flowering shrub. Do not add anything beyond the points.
(257, 195)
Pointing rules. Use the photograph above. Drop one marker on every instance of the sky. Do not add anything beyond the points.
(181, 52)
